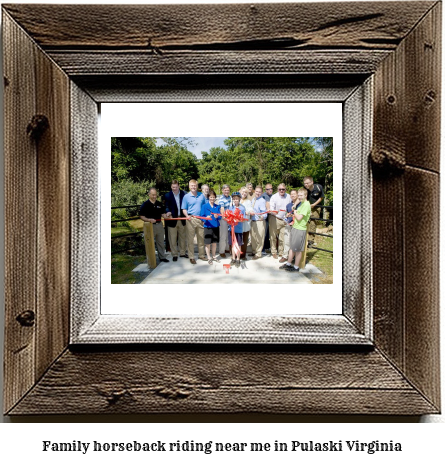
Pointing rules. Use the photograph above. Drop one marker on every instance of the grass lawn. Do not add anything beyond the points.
(135, 226)
(322, 260)
(122, 266)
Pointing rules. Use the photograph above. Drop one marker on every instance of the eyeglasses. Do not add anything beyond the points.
(281, 189)
(269, 188)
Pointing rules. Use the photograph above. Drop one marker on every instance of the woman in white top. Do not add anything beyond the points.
(247, 204)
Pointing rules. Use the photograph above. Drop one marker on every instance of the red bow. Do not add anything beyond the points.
(233, 218)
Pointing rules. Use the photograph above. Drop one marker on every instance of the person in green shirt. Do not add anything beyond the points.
(297, 240)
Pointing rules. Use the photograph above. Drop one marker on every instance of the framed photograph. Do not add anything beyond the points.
(294, 156)
(67, 352)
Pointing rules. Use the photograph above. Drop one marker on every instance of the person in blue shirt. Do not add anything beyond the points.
(205, 189)
(211, 226)
(191, 206)
(236, 254)
(258, 223)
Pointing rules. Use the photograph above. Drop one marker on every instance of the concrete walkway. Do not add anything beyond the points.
(263, 271)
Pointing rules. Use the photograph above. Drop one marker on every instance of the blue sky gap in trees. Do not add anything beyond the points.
(201, 144)
(204, 144)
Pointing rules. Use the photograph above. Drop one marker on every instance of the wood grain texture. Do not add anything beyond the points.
(422, 322)
(374, 25)
(406, 132)
(423, 91)
(223, 382)
(20, 213)
(37, 168)
(388, 201)
(122, 63)
(399, 377)
(53, 207)
(149, 242)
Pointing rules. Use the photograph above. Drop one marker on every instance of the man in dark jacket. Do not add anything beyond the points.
(176, 229)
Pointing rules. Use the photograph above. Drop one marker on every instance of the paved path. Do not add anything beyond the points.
(263, 271)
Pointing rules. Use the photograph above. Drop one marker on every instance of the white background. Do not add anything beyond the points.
(21, 442)
(214, 120)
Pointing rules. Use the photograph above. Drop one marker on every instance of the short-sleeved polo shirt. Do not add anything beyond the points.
(152, 210)
(206, 210)
(225, 202)
(193, 203)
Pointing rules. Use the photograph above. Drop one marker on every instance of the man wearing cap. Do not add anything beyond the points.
(238, 229)
(277, 225)
(191, 206)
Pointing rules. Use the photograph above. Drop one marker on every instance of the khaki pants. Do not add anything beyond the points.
(195, 227)
(174, 235)
(277, 228)
(223, 236)
(312, 225)
(257, 232)
(287, 231)
(158, 233)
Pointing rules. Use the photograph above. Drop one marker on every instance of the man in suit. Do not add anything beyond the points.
(176, 229)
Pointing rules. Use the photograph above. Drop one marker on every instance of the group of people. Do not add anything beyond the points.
(281, 216)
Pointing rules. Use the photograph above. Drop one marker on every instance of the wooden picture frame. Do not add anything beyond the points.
(57, 70)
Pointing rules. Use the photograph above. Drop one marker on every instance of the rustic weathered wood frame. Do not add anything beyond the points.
(66, 61)
(91, 323)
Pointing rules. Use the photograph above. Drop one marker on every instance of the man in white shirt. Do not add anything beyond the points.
(277, 224)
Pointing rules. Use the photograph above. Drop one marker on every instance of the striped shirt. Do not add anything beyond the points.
(225, 202)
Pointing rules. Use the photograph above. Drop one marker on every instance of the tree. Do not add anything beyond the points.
(133, 158)
(141, 160)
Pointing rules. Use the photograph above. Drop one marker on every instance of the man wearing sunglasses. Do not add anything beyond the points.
(277, 223)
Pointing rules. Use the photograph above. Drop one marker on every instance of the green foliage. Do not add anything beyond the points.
(138, 163)
(128, 192)
(260, 160)
(139, 159)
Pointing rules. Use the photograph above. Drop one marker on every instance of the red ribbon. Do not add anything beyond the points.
(184, 218)
(223, 216)
(233, 217)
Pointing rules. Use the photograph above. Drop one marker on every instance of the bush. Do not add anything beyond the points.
(128, 193)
